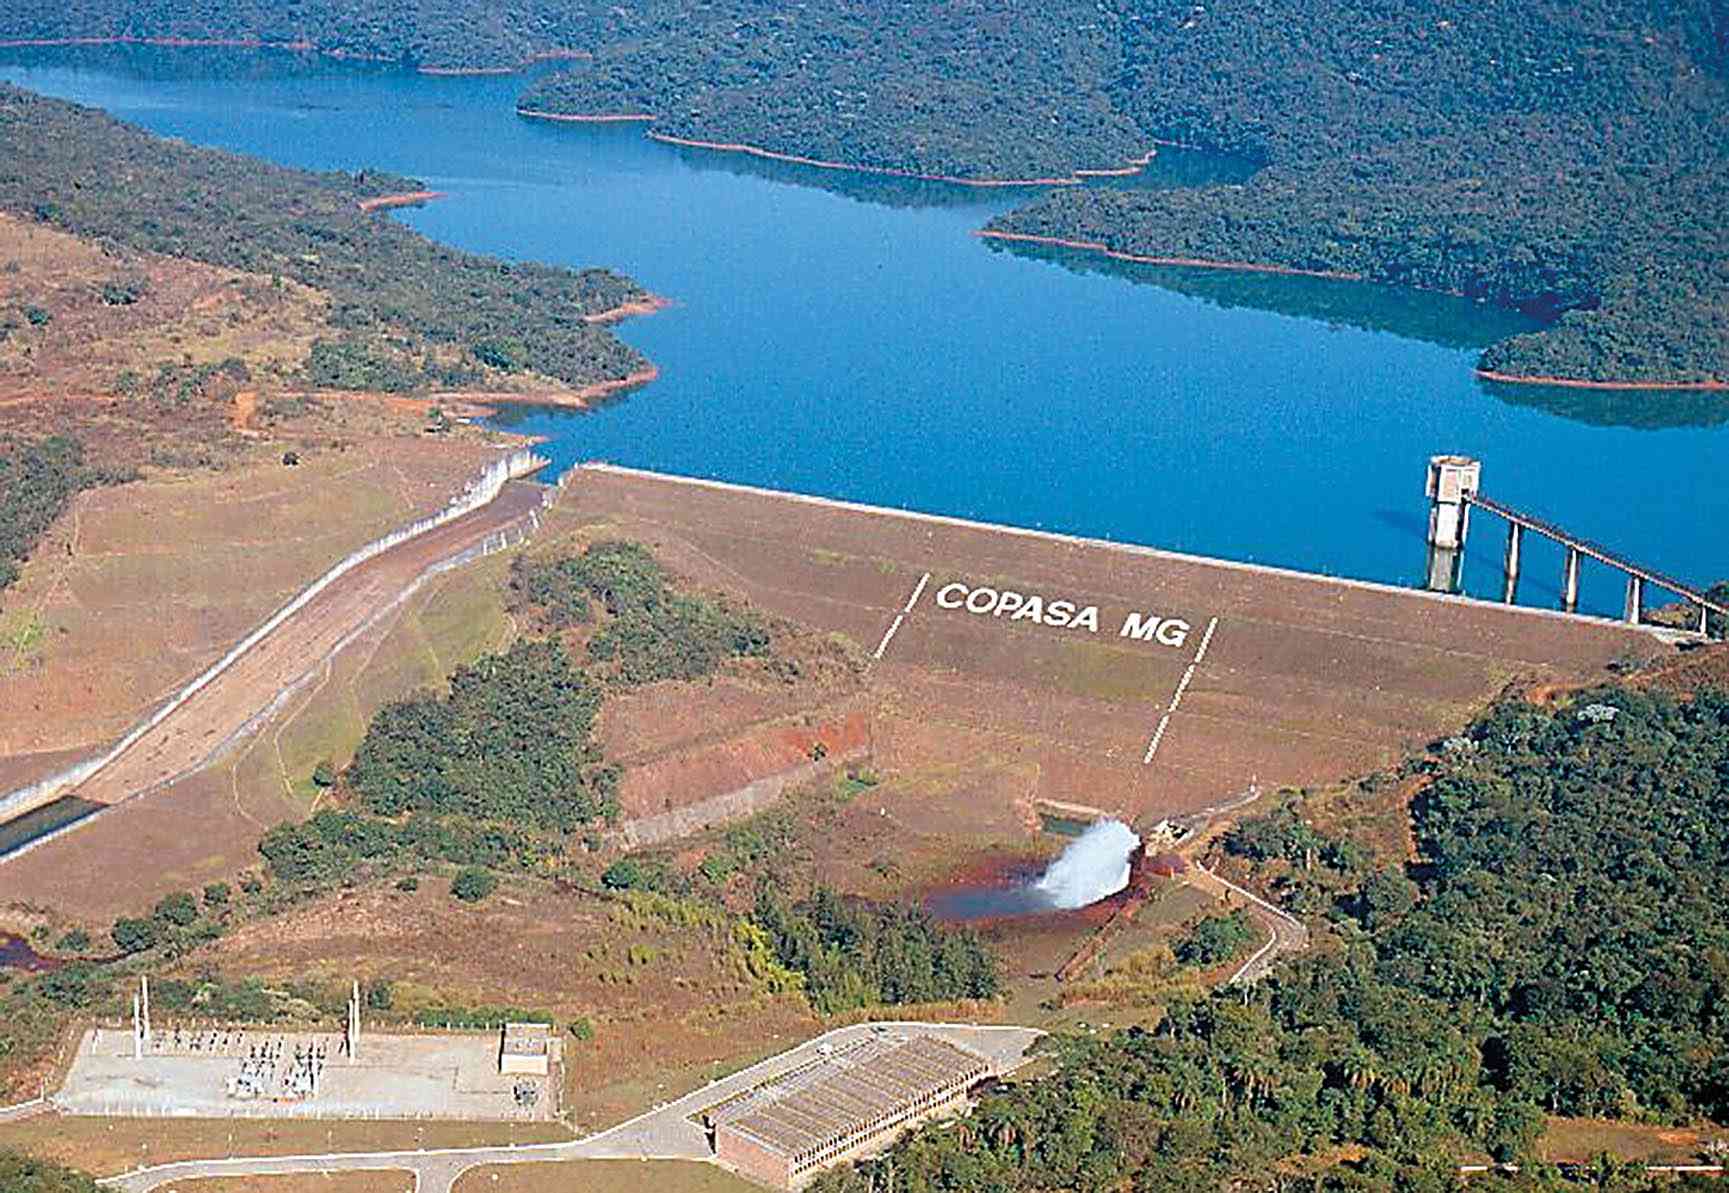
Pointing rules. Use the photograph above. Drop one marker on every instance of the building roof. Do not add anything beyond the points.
(527, 1039)
(841, 1093)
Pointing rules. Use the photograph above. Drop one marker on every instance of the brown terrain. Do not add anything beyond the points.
(669, 998)
(1305, 680)
(247, 490)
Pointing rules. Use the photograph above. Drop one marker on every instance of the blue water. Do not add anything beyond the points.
(850, 337)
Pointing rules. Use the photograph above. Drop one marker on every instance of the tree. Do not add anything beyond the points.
(134, 935)
(216, 894)
(473, 884)
(179, 909)
(324, 774)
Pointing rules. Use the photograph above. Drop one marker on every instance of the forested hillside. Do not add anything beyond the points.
(409, 312)
(1566, 157)
(1563, 947)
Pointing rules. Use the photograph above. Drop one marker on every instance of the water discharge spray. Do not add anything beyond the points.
(1093, 867)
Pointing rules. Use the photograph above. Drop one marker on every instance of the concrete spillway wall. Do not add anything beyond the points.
(481, 491)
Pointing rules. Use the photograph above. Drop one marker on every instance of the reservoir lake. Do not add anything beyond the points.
(847, 335)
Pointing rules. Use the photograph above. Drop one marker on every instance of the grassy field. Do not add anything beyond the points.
(602, 1176)
(451, 621)
(105, 1146)
(1581, 1139)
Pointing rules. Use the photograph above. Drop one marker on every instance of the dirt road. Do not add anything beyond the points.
(245, 693)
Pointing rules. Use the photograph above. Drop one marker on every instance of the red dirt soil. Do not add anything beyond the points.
(400, 199)
(646, 305)
(688, 775)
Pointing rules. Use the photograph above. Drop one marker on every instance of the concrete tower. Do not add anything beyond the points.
(1452, 483)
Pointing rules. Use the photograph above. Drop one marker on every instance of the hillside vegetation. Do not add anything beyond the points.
(1568, 158)
(1563, 948)
(37, 481)
(406, 313)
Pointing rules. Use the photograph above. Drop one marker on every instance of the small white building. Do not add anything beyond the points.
(526, 1049)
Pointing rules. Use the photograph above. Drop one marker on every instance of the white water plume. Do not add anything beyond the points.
(1093, 867)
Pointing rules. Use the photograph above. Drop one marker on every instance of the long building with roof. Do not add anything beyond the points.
(784, 1132)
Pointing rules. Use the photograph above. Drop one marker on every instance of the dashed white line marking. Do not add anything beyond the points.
(888, 634)
(895, 625)
(1177, 696)
(917, 593)
(1158, 736)
(1206, 640)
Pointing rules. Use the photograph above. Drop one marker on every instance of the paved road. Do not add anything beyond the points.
(1288, 934)
(664, 1133)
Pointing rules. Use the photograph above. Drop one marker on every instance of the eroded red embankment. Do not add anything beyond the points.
(1094, 246)
(689, 776)
(400, 199)
(648, 304)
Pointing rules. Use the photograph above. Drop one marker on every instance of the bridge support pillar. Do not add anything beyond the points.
(1515, 546)
(1635, 599)
(1704, 620)
(1452, 483)
(1570, 581)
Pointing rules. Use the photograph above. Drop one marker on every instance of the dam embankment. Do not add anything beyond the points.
(222, 699)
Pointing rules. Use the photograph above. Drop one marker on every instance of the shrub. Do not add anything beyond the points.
(216, 894)
(179, 909)
(135, 936)
(1214, 940)
(473, 884)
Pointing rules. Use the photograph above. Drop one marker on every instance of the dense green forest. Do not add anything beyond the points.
(510, 742)
(407, 312)
(857, 954)
(1563, 947)
(1568, 159)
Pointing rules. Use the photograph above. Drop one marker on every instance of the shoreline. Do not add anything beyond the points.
(1581, 383)
(1076, 177)
(648, 304)
(483, 403)
(577, 118)
(400, 199)
(1093, 246)
(301, 46)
